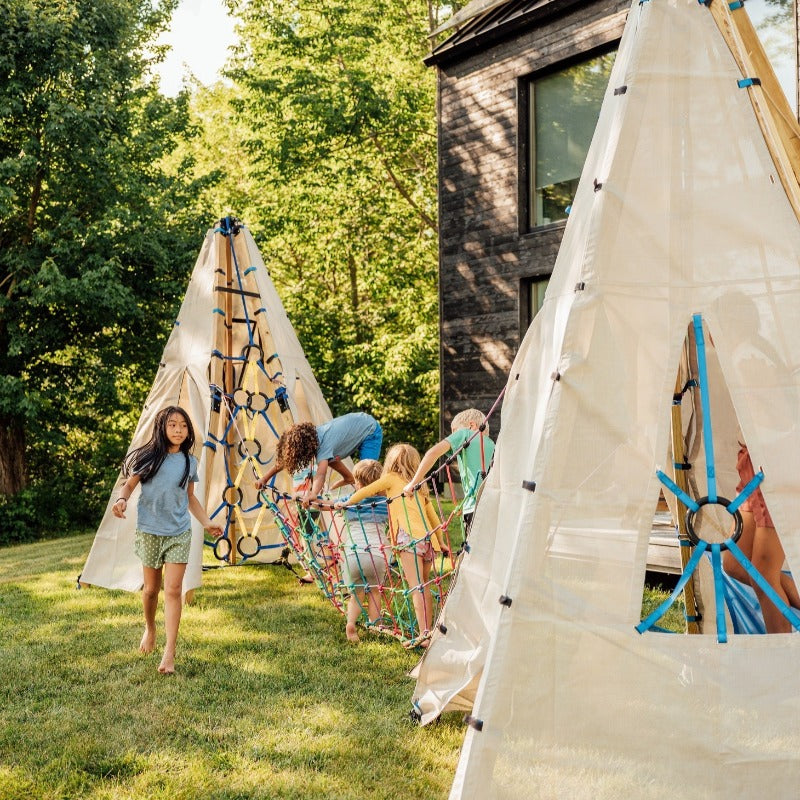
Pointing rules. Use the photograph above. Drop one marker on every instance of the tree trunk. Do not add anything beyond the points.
(12, 456)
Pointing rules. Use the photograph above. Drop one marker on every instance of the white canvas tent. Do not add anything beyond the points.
(687, 205)
(234, 363)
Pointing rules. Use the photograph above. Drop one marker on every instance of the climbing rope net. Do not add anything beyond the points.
(357, 554)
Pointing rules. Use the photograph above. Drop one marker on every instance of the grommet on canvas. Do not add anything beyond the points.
(620, 90)
(556, 376)
(505, 600)
(473, 722)
(579, 287)
(597, 185)
(529, 485)
(443, 627)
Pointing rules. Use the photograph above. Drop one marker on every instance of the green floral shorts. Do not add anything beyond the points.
(155, 551)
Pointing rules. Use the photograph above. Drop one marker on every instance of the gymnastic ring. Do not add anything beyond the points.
(249, 350)
(225, 496)
(222, 548)
(242, 553)
(258, 401)
(720, 501)
(241, 397)
(244, 452)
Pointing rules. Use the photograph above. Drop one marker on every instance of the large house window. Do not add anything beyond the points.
(562, 115)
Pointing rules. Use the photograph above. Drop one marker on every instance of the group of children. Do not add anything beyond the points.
(389, 509)
(408, 526)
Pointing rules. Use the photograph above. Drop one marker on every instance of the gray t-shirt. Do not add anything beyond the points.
(163, 505)
(341, 437)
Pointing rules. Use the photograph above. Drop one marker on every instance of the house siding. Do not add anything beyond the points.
(485, 251)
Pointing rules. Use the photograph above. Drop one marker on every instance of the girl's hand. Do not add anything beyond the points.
(339, 505)
(119, 508)
(215, 531)
(408, 489)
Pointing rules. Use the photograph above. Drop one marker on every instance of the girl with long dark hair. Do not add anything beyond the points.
(167, 472)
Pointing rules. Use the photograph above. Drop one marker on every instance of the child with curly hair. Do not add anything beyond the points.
(327, 444)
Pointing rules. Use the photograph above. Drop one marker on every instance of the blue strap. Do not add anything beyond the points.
(743, 83)
(647, 623)
(746, 492)
(241, 289)
(758, 578)
(736, 4)
(219, 311)
(708, 439)
(716, 564)
(677, 491)
(249, 270)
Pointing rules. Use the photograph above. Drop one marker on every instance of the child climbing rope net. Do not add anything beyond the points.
(386, 555)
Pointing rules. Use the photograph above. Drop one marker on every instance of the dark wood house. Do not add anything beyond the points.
(520, 88)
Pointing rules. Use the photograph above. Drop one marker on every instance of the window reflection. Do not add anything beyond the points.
(564, 107)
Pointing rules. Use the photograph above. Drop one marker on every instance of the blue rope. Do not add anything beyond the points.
(650, 620)
(746, 492)
(708, 439)
(677, 491)
(716, 565)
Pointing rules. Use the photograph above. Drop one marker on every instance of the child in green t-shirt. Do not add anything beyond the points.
(473, 460)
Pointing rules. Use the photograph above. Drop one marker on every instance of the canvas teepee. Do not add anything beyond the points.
(234, 363)
(686, 210)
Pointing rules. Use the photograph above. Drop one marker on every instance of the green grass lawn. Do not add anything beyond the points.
(269, 700)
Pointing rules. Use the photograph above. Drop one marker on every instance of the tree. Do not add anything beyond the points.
(340, 141)
(94, 249)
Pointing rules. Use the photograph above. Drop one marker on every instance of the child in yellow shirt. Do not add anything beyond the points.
(413, 528)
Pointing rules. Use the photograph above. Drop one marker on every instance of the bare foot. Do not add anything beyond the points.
(148, 643)
(352, 636)
(167, 665)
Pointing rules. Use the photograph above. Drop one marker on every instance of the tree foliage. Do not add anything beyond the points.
(335, 119)
(94, 247)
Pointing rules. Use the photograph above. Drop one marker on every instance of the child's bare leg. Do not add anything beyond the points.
(768, 558)
(373, 604)
(353, 610)
(150, 589)
(173, 605)
(427, 596)
(412, 571)
(731, 566)
(790, 590)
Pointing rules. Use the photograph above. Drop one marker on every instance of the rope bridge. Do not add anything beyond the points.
(353, 552)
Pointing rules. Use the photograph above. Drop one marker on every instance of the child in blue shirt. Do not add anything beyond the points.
(364, 547)
(167, 472)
